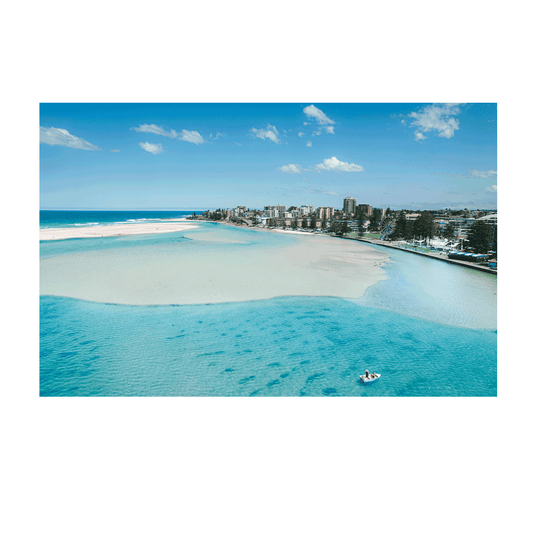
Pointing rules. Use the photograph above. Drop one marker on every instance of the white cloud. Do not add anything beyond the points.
(309, 144)
(483, 173)
(492, 188)
(419, 136)
(60, 137)
(190, 136)
(184, 135)
(338, 166)
(320, 116)
(436, 117)
(301, 134)
(152, 148)
(270, 133)
(290, 168)
(114, 150)
(158, 130)
(323, 120)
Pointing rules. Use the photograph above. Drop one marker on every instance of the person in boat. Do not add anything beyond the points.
(373, 375)
(366, 374)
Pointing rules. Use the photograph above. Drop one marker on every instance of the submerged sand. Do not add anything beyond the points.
(216, 272)
(112, 230)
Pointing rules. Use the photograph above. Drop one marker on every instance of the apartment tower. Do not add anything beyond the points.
(349, 205)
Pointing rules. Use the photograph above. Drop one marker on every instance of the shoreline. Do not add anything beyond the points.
(466, 264)
(264, 228)
(113, 230)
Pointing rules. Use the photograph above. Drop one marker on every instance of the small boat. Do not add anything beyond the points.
(369, 379)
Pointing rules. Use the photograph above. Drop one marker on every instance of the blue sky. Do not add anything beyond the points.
(415, 156)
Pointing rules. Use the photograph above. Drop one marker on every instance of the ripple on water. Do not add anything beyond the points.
(139, 354)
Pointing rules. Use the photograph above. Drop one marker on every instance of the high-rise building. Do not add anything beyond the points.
(307, 209)
(325, 212)
(366, 209)
(349, 205)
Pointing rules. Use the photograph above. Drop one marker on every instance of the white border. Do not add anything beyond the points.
(31, 95)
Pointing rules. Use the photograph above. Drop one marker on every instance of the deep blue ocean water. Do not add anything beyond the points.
(425, 329)
(66, 219)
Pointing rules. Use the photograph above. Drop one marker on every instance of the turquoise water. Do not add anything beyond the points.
(278, 347)
(429, 329)
(429, 289)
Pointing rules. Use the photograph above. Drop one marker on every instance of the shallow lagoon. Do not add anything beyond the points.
(429, 329)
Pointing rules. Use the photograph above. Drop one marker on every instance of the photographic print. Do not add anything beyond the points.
(269, 249)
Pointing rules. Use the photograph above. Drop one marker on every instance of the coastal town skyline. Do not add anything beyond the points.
(402, 156)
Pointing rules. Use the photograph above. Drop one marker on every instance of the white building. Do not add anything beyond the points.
(272, 213)
(307, 209)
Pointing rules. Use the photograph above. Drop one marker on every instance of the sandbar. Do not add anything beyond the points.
(291, 265)
(112, 230)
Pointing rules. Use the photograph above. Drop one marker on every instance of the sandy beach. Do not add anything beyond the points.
(214, 273)
(112, 230)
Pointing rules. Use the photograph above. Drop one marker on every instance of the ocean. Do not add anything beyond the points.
(429, 329)
(66, 219)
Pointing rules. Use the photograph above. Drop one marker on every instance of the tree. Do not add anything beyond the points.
(478, 237)
(449, 231)
(361, 219)
(345, 228)
(424, 226)
(340, 227)
(409, 230)
(375, 219)
(400, 228)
